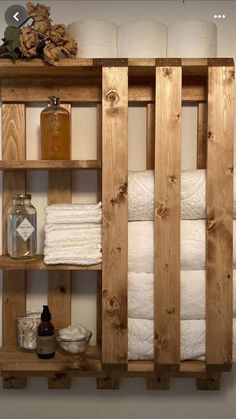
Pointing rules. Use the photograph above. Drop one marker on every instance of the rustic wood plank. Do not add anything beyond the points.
(167, 218)
(59, 282)
(201, 135)
(14, 283)
(150, 136)
(219, 183)
(211, 382)
(89, 90)
(38, 264)
(11, 380)
(115, 216)
(49, 164)
(108, 383)
(158, 383)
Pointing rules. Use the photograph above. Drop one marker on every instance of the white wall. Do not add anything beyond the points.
(132, 400)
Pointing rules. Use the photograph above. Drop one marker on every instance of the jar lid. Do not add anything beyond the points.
(22, 196)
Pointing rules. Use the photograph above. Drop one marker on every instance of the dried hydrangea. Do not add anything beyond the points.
(41, 17)
(40, 39)
(52, 53)
(29, 40)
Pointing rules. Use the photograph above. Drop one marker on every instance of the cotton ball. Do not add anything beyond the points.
(73, 348)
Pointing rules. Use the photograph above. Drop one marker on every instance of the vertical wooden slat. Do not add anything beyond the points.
(167, 218)
(219, 262)
(115, 216)
(59, 282)
(150, 136)
(103, 383)
(201, 135)
(14, 283)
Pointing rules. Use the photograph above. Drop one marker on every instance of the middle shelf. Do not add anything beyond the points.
(7, 263)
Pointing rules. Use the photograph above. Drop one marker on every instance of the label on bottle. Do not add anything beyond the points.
(46, 344)
(25, 229)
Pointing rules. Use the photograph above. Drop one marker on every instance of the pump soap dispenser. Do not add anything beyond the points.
(55, 131)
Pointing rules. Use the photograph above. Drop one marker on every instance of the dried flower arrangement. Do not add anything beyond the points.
(40, 39)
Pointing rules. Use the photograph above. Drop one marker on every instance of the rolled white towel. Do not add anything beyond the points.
(193, 195)
(192, 342)
(192, 243)
(192, 295)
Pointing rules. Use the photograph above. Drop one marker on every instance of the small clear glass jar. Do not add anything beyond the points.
(27, 325)
(22, 228)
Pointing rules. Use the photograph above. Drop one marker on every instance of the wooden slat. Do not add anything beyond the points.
(219, 182)
(59, 282)
(201, 135)
(89, 90)
(115, 216)
(49, 164)
(167, 218)
(150, 136)
(158, 383)
(14, 283)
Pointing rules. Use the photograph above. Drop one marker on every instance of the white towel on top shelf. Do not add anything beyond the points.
(192, 245)
(192, 295)
(192, 342)
(193, 195)
(73, 213)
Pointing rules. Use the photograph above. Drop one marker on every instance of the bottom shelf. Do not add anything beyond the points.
(88, 365)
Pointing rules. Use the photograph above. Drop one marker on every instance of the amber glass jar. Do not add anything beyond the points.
(55, 132)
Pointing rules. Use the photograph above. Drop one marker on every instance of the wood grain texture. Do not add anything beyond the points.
(158, 383)
(201, 135)
(219, 184)
(14, 283)
(89, 90)
(115, 216)
(150, 136)
(49, 164)
(38, 264)
(59, 282)
(167, 218)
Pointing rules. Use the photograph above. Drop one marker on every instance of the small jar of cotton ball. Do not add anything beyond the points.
(73, 340)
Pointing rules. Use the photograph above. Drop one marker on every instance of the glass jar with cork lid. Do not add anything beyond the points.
(55, 131)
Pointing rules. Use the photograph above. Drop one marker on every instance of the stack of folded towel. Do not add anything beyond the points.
(193, 276)
(73, 234)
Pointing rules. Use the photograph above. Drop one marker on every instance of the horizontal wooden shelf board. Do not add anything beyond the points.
(89, 364)
(82, 67)
(49, 164)
(6, 263)
(89, 90)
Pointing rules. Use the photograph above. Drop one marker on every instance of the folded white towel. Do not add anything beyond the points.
(85, 260)
(192, 345)
(193, 241)
(74, 213)
(73, 251)
(192, 303)
(84, 208)
(193, 195)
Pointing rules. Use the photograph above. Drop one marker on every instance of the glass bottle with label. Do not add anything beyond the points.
(55, 131)
(22, 228)
(46, 336)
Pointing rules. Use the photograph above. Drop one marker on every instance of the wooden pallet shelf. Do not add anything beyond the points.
(113, 84)
(50, 164)
(89, 365)
(37, 263)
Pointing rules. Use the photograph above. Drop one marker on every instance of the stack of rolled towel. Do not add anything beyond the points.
(141, 265)
(73, 234)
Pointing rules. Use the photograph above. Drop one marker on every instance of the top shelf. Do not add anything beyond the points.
(81, 67)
